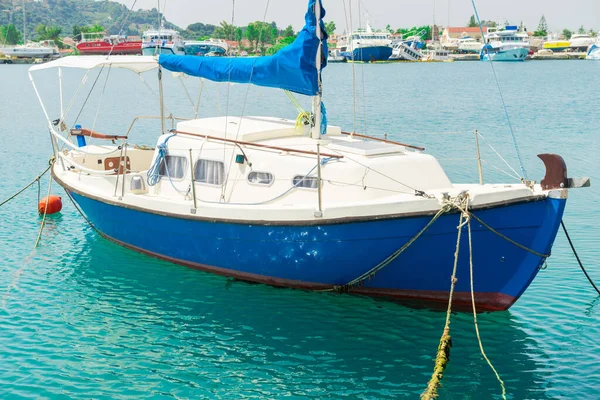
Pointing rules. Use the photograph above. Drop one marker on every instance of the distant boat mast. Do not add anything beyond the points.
(24, 23)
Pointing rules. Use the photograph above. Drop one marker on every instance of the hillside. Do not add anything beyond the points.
(69, 13)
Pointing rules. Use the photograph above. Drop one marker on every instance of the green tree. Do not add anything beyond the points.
(286, 41)
(50, 33)
(9, 34)
(542, 29)
(581, 30)
(330, 28)
(289, 32)
(472, 22)
(252, 34)
(225, 31)
(239, 35)
(567, 34)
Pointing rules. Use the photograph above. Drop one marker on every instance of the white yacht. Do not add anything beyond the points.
(505, 43)
(210, 47)
(467, 44)
(44, 49)
(581, 41)
(335, 56)
(593, 52)
(162, 41)
(365, 45)
(403, 52)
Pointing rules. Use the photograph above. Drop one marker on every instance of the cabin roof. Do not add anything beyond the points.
(246, 129)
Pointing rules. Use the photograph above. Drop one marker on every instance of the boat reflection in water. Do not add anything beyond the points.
(248, 336)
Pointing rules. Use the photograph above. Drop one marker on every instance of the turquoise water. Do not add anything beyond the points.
(84, 318)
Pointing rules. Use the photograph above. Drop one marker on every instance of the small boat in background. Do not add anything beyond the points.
(43, 49)
(505, 43)
(364, 45)
(98, 43)
(581, 42)
(556, 45)
(162, 41)
(401, 51)
(593, 53)
(210, 47)
(467, 44)
(335, 56)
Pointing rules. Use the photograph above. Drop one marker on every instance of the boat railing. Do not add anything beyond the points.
(139, 117)
(257, 145)
(376, 139)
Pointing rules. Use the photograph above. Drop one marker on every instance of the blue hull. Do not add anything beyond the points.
(320, 256)
(370, 54)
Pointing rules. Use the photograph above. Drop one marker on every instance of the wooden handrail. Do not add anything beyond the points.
(94, 134)
(384, 141)
(264, 146)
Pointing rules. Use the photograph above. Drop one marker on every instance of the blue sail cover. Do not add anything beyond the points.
(292, 68)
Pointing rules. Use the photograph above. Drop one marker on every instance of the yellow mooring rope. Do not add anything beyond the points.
(443, 352)
(475, 312)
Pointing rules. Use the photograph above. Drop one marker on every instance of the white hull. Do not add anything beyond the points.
(516, 54)
(403, 52)
(29, 52)
(593, 53)
(470, 47)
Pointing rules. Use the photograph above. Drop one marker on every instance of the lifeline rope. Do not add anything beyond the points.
(28, 186)
(577, 256)
(19, 272)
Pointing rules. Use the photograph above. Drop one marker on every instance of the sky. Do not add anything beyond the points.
(560, 14)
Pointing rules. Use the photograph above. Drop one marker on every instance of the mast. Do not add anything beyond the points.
(24, 23)
(316, 129)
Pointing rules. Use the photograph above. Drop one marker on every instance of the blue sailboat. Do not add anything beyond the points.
(300, 203)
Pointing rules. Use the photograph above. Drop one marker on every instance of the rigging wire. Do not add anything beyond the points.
(510, 127)
(122, 27)
(349, 39)
(362, 73)
(260, 34)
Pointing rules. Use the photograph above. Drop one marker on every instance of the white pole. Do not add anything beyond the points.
(316, 130)
(60, 86)
(161, 101)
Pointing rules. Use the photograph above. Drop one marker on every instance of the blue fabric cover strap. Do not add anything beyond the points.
(292, 68)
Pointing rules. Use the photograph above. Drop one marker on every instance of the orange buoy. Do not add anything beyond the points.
(54, 205)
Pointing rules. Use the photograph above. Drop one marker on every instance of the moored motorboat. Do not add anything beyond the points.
(365, 45)
(209, 47)
(468, 44)
(43, 49)
(593, 53)
(580, 42)
(162, 41)
(556, 45)
(505, 43)
(300, 203)
(101, 44)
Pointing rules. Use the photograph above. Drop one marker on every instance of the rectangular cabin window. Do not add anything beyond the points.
(173, 167)
(260, 178)
(209, 172)
(309, 182)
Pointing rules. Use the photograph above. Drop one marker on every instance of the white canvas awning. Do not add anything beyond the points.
(137, 64)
